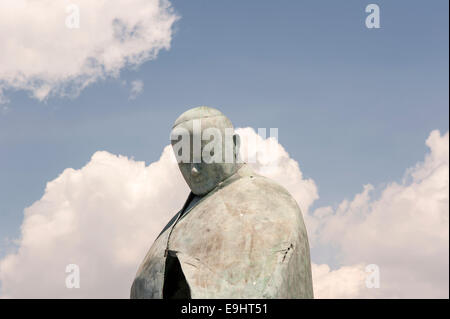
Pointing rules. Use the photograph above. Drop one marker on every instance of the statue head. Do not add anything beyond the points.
(206, 148)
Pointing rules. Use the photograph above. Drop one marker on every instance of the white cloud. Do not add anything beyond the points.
(105, 216)
(270, 159)
(137, 86)
(102, 217)
(345, 282)
(40, 54)
(405, 231)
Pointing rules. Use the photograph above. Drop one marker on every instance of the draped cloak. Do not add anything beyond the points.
(244, 239)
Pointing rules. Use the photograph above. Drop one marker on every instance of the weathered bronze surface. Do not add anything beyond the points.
(239, 235)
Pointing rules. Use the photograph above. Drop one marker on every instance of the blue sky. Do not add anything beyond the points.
(352, 105)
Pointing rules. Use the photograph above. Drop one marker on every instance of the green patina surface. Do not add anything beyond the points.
(239, 235)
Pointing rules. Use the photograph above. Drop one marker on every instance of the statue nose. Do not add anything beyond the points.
(194, 171)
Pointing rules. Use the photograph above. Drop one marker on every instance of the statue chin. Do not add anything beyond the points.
(201, 189)
(201, 186)
(208, 176)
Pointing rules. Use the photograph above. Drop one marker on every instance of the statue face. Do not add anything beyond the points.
(206, 150)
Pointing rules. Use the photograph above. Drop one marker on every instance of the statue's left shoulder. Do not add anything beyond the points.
(263, 198)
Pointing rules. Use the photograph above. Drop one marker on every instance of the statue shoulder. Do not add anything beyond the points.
(253, 192)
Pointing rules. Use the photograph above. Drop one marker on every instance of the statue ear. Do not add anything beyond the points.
(237, 144)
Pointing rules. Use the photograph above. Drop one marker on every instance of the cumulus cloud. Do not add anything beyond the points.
(269, 158)
(60, 47)
(104, 217)
(136, 88)
(344, 283)
(405, 231)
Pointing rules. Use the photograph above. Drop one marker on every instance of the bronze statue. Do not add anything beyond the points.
(239, 234)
